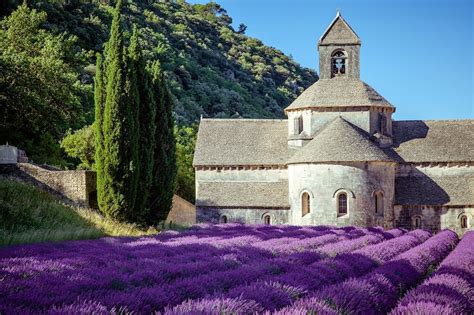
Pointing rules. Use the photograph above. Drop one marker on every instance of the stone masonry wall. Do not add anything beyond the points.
(352, 61)
(76, 187)
(182, 213)
(270, 175)
(434, 218)
(358, 180)
(241, 215)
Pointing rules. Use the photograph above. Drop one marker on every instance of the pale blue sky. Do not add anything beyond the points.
(417, 53)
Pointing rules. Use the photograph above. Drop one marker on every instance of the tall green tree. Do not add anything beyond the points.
(99, 100)
(117, 188)
(164, 168)
(144, 98)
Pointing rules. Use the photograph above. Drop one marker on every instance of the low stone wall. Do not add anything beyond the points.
(182, 213)
(76, 187)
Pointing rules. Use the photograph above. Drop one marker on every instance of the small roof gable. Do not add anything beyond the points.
(339, 32)
(340, 141)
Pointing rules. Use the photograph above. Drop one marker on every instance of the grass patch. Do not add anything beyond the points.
(30, 215)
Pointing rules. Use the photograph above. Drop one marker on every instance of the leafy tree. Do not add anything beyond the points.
(185, 143)
(80, 144)
(242, 28)
(39, 91)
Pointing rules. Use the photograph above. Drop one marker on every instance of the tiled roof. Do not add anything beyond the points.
(242, 142)
(243, 194)
(340, 141)
(435, 190)
(237, 142)
(434, 141)
(338, 92)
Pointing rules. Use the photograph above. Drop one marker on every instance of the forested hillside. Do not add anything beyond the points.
(47, 60)
(214, 70)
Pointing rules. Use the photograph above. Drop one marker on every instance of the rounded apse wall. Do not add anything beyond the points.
(325, 183)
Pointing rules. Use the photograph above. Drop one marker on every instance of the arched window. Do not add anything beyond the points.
(378, 203)
(305, 204)
(342, 204)
(338, 63)
(417, 222)
(463, 222)
(223, 219)
(298, 125)
(267, 219)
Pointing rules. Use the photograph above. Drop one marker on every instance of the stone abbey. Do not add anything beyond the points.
(338, 159)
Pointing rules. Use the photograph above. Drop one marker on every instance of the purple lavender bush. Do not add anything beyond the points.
(450, 290)
(147, 274)
(378, 291)
(273, 292)
(216, 269)
(215, 306)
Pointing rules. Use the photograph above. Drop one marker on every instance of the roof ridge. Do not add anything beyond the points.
(245, 119)
(340, 141)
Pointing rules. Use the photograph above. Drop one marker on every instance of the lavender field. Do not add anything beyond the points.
(232, 268)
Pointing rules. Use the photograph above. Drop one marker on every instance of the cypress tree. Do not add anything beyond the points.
(146, 123)
(135, 145)
(118, 187)
(98, 124)
(164, 168)
(132, 83)
(170, 152)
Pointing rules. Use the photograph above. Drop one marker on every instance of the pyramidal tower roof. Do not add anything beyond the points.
(340, 141)
(339, 32)
(339, 93)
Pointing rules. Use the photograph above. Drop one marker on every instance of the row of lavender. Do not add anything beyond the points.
(449, 291)
(225, 269)
(149, 273)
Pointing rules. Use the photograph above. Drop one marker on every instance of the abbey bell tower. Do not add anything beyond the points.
(339, 92)
(339, 48)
